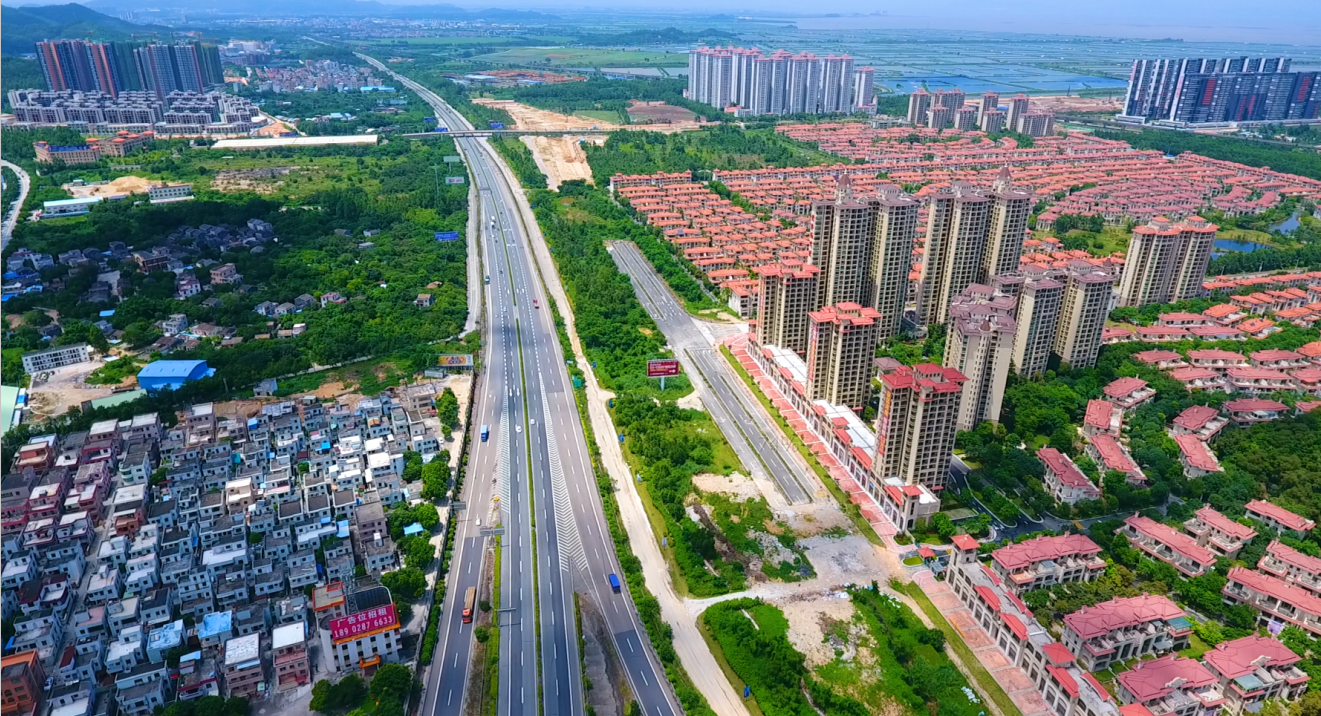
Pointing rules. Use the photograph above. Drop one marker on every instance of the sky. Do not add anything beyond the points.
(1292, 21)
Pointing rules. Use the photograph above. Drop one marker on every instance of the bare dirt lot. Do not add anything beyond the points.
(526, 117)
(262, 181)
(115, 187)
(562, 158)
(56, 392)
(1077, 104)
(660, 113)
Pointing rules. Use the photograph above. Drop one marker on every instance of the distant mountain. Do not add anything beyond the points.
(324, 8)
(25, 26)
(668, 36)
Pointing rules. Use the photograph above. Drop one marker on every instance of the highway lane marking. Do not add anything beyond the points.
(456, 658)
(450, 697)
(630, 645)
(643, 674)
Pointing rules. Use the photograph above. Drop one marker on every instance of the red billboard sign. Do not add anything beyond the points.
(662, 368)
(364, 622)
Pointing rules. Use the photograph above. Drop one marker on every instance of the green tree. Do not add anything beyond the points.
(391, 681)
(447, 410)
(407, 583)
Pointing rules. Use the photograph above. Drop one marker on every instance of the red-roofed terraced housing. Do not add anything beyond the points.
(1254, 669)
(1221, 534)
(1292, 566)
(1102, 418)
(1246, 411)
(1113, 455)
(1172, 685)
(1045, 561)
(1063, 480)
(1125, 628)
(1168, 545)
(1196, 458)
(1202, 421)
(1274, 599)
(1129, 393)
(1278, 518)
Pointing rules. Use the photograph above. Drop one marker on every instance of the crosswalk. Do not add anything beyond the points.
(502, 471)
(572, 553)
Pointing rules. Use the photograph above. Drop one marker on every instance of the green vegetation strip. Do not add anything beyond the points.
(491, 700)
(985, 681)
(660, 633)
(853, 511)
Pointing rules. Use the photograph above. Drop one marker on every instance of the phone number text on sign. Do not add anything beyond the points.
(363, 622)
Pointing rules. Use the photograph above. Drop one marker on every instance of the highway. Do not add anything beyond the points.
(12, 211)
(549, 472)
(760, 444)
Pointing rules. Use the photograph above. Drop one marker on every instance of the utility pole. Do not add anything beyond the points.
(435, 172)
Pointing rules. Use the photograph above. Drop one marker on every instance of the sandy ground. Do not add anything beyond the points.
(526, 117)
(64, 389)
(262, 181)
(122, 185)
(810, 615)
(1060, 103)
(692, 401)
(562, 159)
(737, 486)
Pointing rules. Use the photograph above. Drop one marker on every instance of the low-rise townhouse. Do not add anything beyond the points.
(1290, 565)
(1129, 393)
(1045, 561)
(1274, 599)
(1248, 411)
(1200, 421)
(1196, 457)
(1278, 518)
(1111, 454)
(1217, 532)
(1125, 628)
(1171, 686)
(1102, 418)
(1254, 669)
(1064, 482)
(1168, 545)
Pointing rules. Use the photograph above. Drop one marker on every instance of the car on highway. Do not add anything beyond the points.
(614, 582)
(535, 304)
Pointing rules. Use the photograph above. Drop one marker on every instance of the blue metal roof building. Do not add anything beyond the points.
(172, 374)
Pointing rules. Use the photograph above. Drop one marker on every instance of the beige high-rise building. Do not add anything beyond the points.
(919, 103)
(1083, 311)
(915, 424)
(980, 345)
(940, 117)
(1010, 208)
(841, 345)
(957, 222)
(788, 293)
(1038, 318)
(992, 121)
(892, 258)
(843, 231)
(990, 101)
(1166, 261)
(1018, 105)
(864, 248)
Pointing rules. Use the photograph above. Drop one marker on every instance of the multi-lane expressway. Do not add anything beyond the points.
(555, 540)
(758, 443)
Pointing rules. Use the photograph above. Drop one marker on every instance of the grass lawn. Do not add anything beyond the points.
(850, 509)
(1196, 647)
(985, 682)
(913, 561)
(582, 57)
(714, 646)
(599, 115)
(725, 460)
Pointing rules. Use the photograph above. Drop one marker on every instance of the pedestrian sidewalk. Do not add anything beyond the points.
(739, 346)
(1012, 679)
